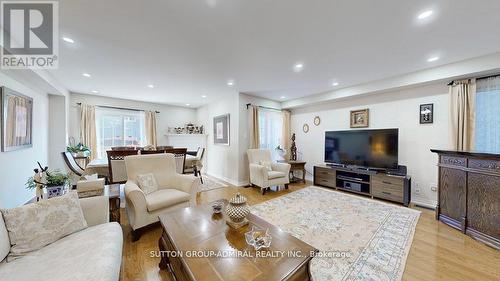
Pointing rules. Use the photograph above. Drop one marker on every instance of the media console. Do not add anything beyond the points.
(395, 188)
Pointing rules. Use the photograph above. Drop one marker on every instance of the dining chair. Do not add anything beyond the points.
(194, 163)
(72, 164)
(180, 157)
(116, 165)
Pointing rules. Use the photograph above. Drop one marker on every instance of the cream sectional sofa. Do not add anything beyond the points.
(94, 253)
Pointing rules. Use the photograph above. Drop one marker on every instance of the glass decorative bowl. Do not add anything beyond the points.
(258, 238)
(217, 207)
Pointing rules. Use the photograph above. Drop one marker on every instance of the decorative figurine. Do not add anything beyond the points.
(293, 149)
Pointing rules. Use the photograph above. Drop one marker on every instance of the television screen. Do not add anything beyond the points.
(367, 148)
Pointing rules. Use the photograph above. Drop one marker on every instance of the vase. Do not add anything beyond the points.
(237, 211)
(54, 191)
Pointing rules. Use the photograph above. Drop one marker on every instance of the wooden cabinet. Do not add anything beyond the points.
(469, 194)
(365, 182)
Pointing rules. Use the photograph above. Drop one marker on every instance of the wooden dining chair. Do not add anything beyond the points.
(72, 164)
(144, 152)
(116, 165)
(180, 157)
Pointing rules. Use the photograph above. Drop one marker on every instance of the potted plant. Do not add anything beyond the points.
(54, 181)
(79, 150)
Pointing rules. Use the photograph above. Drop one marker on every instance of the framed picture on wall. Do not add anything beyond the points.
(427, 113)
(17, 115)
(221, 129)
(359, 118)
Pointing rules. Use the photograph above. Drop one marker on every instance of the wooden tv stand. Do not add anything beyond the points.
(365, 182)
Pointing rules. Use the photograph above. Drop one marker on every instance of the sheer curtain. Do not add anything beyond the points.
(487, 136)
(118, 127)
(271, 130)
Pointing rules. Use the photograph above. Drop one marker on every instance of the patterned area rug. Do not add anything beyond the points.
(360, 238)
(210, 183)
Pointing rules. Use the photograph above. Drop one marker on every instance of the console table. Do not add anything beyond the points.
(469, 194)
(396, 188)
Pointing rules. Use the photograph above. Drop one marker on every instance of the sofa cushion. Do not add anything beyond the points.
(165, 198)
(4, 239)
(91, 254)
(35, 225)
(274, 175)
(147, 183)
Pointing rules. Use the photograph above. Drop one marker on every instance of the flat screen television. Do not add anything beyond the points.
(377, 149)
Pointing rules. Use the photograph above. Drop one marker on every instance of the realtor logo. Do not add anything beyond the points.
(30, 31)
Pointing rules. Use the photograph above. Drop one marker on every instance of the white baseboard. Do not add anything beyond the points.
(228, 180)
(425, 204)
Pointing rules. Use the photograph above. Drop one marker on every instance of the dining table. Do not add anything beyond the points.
(97, 166)
(100, 166)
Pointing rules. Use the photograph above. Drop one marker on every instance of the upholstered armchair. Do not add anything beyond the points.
(173, 191)
(264, 173)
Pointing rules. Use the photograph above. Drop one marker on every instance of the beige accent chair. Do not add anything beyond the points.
(94, 253)
(174, 190)
(261, 176)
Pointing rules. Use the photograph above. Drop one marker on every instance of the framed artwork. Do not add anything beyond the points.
(427, 113)
(221, 129)
(17, 117)
(360, 118)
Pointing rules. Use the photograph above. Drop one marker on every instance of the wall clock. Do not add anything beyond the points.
(317, 121)
(305, 128)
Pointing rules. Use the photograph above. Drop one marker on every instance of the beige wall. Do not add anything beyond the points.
(17, 166)
(399, 109)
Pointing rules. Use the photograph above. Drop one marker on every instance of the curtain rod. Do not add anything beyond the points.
(482, 77)
(264, 107)
(122, 108)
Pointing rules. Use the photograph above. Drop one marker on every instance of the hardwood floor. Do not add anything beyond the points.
(438, 252)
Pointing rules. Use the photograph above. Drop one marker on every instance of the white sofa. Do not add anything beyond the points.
(174, 190)
(261, 176)
(94, 253)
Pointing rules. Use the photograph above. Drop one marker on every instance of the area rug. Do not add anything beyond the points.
(360, 238)
(210, 183)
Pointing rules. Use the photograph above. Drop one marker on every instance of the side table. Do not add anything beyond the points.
(296, 166)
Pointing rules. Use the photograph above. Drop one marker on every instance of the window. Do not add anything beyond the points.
(117, 127)
(487, 131)
(270, 130)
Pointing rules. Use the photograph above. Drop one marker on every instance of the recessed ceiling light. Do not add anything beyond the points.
(187, 104)
(230, 83)
(69, 40)
(425, 14)
(95, 91)
(86, 75)
(335, 84)
(203, 96)
(298, 67)
(431, 59)
(151, 86)
(282, 97)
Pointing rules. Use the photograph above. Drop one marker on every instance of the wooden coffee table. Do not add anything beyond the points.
(197, 229)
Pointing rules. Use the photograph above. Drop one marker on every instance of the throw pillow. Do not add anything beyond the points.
(266, 164)
(36, 225)
(147, 182)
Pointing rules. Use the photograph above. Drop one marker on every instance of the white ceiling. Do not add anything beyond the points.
(190, 48)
